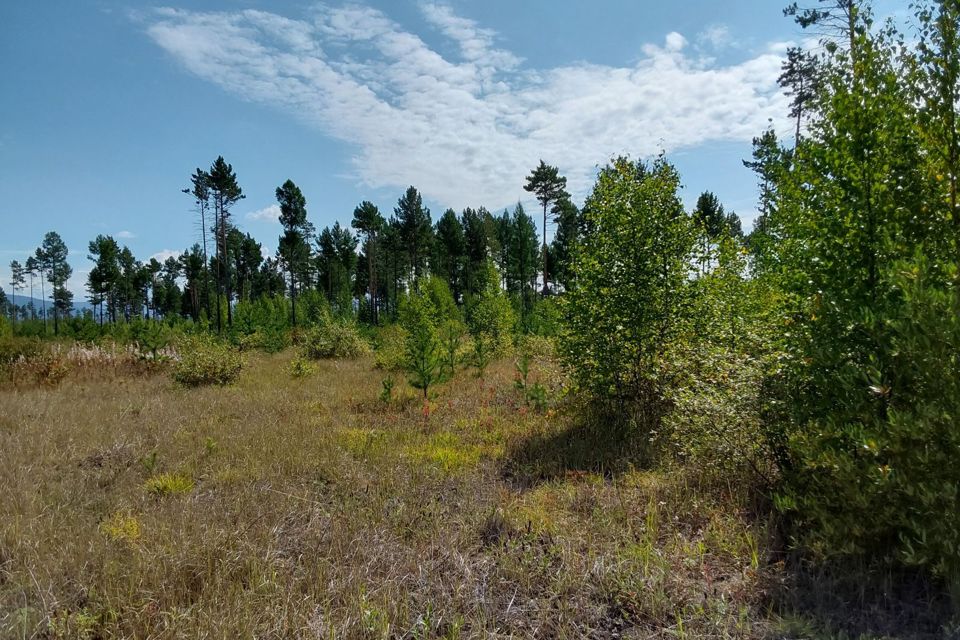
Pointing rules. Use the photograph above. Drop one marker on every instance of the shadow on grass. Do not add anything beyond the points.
(850, 600)
(596, 443)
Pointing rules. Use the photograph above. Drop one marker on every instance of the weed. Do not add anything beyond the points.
(121, 528)
(167, 484)
(301, 368)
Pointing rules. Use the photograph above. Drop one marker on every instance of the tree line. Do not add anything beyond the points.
(363, 267)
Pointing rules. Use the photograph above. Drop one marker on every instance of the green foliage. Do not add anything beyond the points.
(334, 339)
(860, 239)
(633, 292)
(262, 324)
(386, 391)
(424, 352)
(531, 392)
(876, 475)
(14, 348)
(439, 301)
(206, 361)
(390, 344)
(301, 368)
(483, 348)
(450, 335)
(490, 315)
(713, 424)
(151, 337)
(546, 318)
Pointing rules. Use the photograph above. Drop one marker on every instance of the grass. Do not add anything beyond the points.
(308, 508)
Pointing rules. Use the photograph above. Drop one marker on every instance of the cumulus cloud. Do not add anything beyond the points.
(269, 213)
(161, 256)
(126, 235)
(467, 127)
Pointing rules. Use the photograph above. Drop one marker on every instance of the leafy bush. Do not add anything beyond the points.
(262, 324)
(267, 340)
(713, 424)
(49, 370)
(632, 295)
(390, 348)
(205, 362)
(334, 339)
(14, 348)
(301, 368)
(870, 458)
(441, 305)
(490, 315)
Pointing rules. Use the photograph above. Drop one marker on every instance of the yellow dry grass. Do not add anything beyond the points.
(285, 507)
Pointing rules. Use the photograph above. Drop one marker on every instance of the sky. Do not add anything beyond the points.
(108, 106)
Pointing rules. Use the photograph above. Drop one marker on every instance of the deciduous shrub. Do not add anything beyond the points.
(334, 339)
(490, 316)
(633, 288)
(301, 368)
(390, 345)
(13, 348)
(206, 362)
(870, 457)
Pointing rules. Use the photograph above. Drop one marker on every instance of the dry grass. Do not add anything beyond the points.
(286, 507)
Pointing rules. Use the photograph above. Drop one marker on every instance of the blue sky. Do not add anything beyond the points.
(108, 106)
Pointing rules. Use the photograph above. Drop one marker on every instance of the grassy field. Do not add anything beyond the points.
(285, 507)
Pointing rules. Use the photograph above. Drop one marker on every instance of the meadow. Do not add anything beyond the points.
(314, 506)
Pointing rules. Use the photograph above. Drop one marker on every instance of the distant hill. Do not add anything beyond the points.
(79, 304)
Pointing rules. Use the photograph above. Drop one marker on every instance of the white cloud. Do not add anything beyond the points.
(675, 41)
(161, 256)
(466, 131)
(269, 213)
(716, 36)
(126, 235)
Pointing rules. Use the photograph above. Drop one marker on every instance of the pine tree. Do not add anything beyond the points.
(200, 190)
(58, 271)
(17, 282)
(293, 250)
(225, 192)
(416, 230)
(546, 183)
(369, 223)
(450, 252)
(799, 77)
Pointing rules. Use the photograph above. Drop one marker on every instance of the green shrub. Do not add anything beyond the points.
(268, 340)
(490, 314)
(633, 286)
(713, 423)
(301, 368)
(450, 335)
(424, 352)
(390, 348)
(151, 337)
(870, 455)
(334, 339)
(205, 362)
(14, 348)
